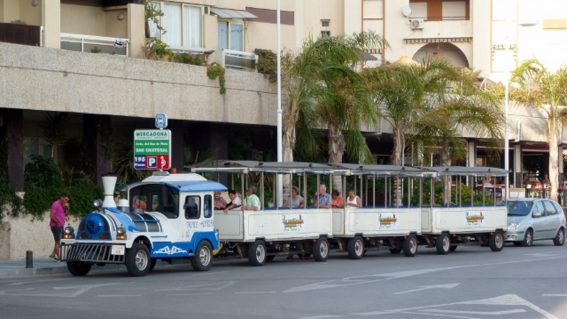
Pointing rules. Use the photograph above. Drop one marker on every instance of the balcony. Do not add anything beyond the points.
(94, 44)
(20, 34)
(452, 28)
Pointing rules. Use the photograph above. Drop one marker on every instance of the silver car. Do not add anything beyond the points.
(532, 219)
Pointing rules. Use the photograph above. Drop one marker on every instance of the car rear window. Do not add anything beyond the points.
(519, 208)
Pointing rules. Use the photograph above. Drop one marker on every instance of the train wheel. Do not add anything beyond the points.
(410, 246)
(257, 253)
(203, 258)
(355, 248)
(496, 241)
(443, 244)
(321, 249)
(77, 268)
(138, 260)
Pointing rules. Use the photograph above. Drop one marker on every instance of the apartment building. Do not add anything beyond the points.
(52, 66)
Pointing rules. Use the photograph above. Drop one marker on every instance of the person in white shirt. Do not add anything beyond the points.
(235, 201)
(353, 200)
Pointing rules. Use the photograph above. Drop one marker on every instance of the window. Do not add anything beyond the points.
(192, 207)
(538, 210)
(182, 24)
(208, 206)
(231, 36)
(155, 198)
(325, 23)
(549, 208)
(325, 34)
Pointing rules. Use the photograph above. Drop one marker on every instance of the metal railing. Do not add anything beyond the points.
(94, 44)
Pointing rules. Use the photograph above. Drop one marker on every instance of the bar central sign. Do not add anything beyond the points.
(152, 149)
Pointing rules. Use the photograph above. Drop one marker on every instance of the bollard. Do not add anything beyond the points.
(29, 259)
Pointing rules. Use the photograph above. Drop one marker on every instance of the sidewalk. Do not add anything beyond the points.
(41, 267)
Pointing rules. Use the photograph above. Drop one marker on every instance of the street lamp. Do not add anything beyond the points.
(279, 109)
(506, 140)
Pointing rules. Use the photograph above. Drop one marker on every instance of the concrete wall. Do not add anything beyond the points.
(19, 234)
(83, 19)
(67, 81)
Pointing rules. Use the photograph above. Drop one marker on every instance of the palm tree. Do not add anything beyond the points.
(540, 88)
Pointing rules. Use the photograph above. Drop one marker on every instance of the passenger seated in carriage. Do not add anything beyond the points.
(353, 200)
(296, 199)
(252, 200)
(337, 200)
(235, 201)
(220, 203)
(322, 199)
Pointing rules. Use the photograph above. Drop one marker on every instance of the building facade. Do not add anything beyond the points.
(86, 59)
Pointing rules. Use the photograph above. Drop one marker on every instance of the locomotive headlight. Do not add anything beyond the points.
(69, 232)
(98, 204)
(121, 233)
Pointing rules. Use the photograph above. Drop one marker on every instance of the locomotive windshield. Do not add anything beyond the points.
(156, 198)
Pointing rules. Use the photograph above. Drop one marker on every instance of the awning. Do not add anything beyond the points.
(232, 14)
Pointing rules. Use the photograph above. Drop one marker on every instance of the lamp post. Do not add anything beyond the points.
(279, 109)
(506, 140)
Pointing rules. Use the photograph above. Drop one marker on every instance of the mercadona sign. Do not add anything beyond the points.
(152, 149)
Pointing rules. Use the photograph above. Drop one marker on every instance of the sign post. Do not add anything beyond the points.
(152, 150)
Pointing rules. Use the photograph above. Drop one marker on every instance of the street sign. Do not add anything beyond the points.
(161, 120)
(152, 150)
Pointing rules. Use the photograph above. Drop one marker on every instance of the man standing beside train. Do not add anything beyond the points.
(57, 223)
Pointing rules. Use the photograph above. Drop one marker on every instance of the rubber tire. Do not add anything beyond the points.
(355, 247)
(528, 241)
(410, 246)
(257, 253)
(203, 257)
(452, 248)
(496, 241)
(321, 249)
(77, 268)
(139, 253)
(559, 239)
(443, 244)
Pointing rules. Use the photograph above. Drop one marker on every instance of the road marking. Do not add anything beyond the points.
(191, 294)
(444, 286)
(504, 300)
(321, 317)
(116, 296)
(486, 313)
(368, 279)
(554, 295)
(80, 290)
(438, 315)
(255, 292)
(201, 286)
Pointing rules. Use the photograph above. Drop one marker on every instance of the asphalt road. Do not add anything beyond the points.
(472, 282)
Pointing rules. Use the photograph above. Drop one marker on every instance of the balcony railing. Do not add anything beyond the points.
(20, 34)
(94, 44)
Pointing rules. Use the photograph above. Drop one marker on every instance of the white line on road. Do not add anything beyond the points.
(484, 313)
(554, 295)
(444, 286)
(191, 294)
(421, 314)
(255, 292)
(321, 317)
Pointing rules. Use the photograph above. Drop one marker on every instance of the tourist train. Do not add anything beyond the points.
(172, 216)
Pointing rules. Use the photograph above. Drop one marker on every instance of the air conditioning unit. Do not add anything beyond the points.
(416, 24)
(239, 60)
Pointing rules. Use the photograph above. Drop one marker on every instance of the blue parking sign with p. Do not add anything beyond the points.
(151, 162)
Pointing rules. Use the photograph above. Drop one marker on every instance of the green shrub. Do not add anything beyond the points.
(215, 70)
(43, 183)
(82, 193)
(267, 63)
(187, 58)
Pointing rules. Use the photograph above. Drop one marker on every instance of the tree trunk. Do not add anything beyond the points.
(446, 162)
(399, 141)
(288, 141)
(336, 151)
(553, 135)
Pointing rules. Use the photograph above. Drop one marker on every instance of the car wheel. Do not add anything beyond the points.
(496, 241)
(138, 260)
(528, 238)
(321, 249)
(257, 253)
(559, 239)
(443, 244)
(410, 246)
(203, 258)
(77, 268)
(355, 248)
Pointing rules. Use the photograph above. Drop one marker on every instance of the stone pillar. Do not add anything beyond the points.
(13, 121)
(177, 144)
(51, 22)
(136, 25)
(518, 178)
(471, 154)
(95, 128)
